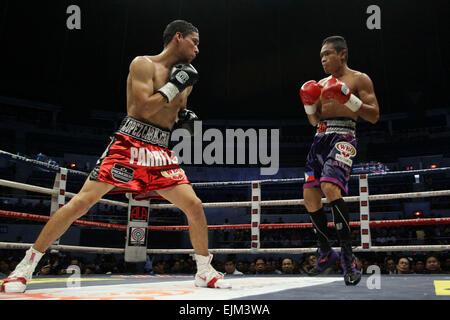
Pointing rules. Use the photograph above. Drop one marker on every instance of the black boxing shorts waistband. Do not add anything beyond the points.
(337, 125)
(144, 132)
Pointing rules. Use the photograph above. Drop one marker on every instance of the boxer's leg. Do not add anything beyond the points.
(313, 204)
(79, 205)
(327, 256)
(341, 219)
(184, 197)
(339, 210)
(60, 221)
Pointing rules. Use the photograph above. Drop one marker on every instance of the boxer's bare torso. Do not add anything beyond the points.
(156, 73)
(359, 84)
(331, 108)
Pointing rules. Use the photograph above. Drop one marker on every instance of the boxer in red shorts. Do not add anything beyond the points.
(138, 159)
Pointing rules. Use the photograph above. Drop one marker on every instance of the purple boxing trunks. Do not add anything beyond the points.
(332, 152)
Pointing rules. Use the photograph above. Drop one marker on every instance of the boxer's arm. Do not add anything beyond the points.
(188, 91)
(315, 117)
(148, 102)
(369, 110)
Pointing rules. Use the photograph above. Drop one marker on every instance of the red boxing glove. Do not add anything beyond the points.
(337, 90)
(310, 93)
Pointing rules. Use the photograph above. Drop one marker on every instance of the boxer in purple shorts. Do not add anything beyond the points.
(333, 106)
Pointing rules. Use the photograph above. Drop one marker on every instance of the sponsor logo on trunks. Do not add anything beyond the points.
(145, 132)
(347, 151)
(322, 127)
(146, 158)
(174, 174)
(121, 173)
(309, 176)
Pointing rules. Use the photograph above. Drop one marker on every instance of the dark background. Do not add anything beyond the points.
(254, 54)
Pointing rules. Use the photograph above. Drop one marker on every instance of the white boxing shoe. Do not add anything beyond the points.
(18, 279)
(207, 276)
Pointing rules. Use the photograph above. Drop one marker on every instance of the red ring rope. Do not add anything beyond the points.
(353, 224)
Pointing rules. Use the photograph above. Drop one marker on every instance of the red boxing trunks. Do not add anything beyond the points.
(138, 161)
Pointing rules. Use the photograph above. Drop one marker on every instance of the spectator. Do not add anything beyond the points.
(230, 268)
(276, 266)
(336, 268)
(419, 266)
(148, 264)
(389, 266)
(73, 263)
(158, 267)
(177, 267)
(45, 270)
(287, 266)
(446, 266)
(308, 263)
(242, 266)
(260, 266)
(403, 266)
(269, 267)
(89, 269)
(432, 265)
(189, 267)
(252, 268)
(50, 265)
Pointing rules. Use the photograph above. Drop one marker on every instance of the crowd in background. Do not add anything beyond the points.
(63, 263)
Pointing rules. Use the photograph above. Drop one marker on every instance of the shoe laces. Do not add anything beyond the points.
(23, 268)
(209, 272)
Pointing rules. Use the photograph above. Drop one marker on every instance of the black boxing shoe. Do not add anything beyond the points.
(352, 276)
(325, 260)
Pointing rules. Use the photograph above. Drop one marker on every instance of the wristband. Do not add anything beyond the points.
(169, 91)
(354, 103)
(310, 109)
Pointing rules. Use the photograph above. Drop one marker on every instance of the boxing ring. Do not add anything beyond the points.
(247, 287)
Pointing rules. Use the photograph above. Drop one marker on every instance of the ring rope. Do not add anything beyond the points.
(33, 188)
(289, 202)
(224, 183)
(416, 248)
(432, 221)
(353, 224)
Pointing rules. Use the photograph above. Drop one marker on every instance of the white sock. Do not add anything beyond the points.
(33, 255)
(202, 261)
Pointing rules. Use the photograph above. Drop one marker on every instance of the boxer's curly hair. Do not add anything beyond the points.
(177, 26)
(339, 44)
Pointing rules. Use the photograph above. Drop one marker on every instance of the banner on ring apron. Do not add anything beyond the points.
(137, 230)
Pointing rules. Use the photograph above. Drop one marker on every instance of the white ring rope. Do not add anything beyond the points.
(25, 246)
(264, 203)
(224, 183)
(32, 188)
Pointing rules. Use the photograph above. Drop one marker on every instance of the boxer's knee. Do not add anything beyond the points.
(312, 199)
(332, 192)
(80, 204)
(193, 208)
